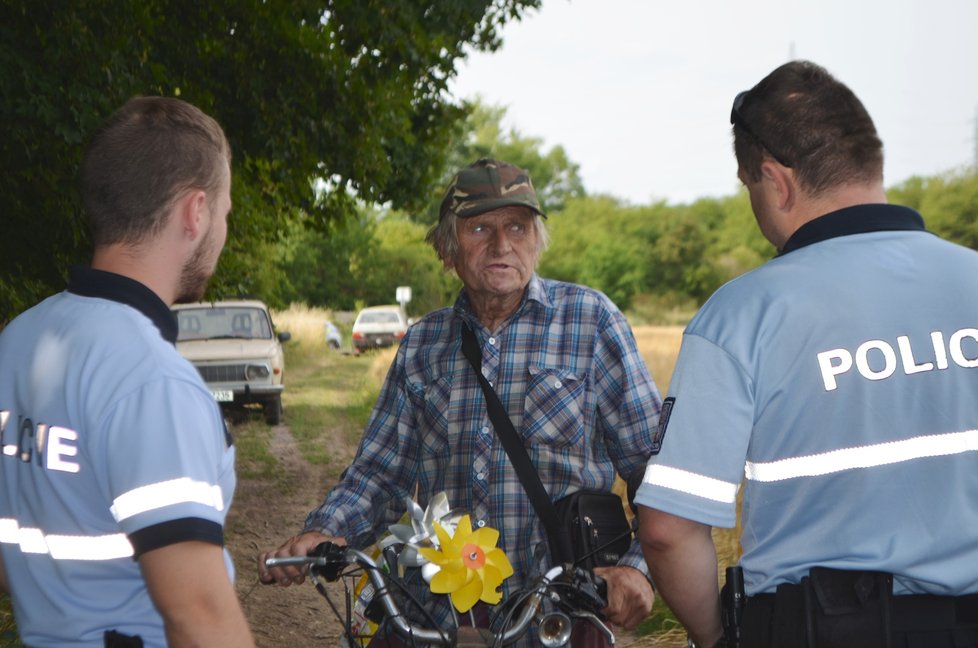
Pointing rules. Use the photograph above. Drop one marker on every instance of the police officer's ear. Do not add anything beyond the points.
(780, 182)
(193, 212)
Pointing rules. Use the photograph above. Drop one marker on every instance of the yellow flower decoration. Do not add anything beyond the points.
(471, 567)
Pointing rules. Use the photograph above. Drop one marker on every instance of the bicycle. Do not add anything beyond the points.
(575, 593)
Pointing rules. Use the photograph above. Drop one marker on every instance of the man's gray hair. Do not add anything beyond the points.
(443, 237)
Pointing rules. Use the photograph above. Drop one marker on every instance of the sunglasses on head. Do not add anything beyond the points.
(738, 119)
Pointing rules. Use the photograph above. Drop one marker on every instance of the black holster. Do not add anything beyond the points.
(732, 601)
(830, 607)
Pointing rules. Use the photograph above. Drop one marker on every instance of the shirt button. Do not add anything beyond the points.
(485, 430)
(558, 384)
(492, 341)
(480, 476)
(480, 523)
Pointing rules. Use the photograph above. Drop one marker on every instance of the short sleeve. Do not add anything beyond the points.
(704, 432)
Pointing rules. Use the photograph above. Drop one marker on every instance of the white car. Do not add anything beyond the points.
(235, 348)
(378, 326)
(334, 339)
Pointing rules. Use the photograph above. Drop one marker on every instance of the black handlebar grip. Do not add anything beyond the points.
(335, 556)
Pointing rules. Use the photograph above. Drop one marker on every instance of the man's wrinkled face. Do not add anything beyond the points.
(497, 252)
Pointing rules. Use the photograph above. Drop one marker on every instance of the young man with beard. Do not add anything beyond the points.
(117, 471)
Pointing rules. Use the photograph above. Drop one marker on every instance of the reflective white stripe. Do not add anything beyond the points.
(692, 483)
(107, 547)
(880, 454)
(65, 547)
(162, 494)
(8, 531)
(31, 540)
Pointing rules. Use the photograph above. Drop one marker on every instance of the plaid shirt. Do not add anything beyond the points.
(566, 368)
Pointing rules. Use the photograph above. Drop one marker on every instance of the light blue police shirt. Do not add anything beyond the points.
(112, 446)
(838, 381)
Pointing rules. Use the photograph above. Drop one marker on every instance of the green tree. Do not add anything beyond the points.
(330, 266)
(351, 91)
(948, 203)
(601, 243)
(362, 261)
(406, 260)
(909, 193)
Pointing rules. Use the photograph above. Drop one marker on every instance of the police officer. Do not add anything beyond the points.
(839, 381)
(116, 469)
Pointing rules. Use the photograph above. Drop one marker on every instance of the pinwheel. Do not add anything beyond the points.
(470, 566)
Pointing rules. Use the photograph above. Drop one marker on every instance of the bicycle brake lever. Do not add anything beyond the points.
(601, 589)
(586, 591)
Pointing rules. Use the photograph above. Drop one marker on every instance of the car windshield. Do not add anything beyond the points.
(379, 317)
(223, 322)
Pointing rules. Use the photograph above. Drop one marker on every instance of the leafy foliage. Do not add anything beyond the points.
(362, 261)
(948, 202)
(351, 91)
(681, 252)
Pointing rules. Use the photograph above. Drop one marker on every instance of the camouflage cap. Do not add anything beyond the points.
(486, 185)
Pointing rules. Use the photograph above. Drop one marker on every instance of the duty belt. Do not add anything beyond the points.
(833, 607)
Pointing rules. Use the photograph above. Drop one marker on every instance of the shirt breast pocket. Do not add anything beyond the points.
(555, 407)
(433, 426)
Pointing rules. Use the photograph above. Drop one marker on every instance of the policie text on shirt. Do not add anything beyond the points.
(51, 443)
(877, 359)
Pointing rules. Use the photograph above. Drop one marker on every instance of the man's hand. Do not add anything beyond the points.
(299, 545)
(630, 595)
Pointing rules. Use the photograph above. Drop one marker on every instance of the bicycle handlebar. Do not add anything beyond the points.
(585, 595)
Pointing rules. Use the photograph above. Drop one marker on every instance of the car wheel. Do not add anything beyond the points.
(273, 411)
(333, 344)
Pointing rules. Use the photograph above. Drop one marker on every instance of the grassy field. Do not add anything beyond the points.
(8, 630)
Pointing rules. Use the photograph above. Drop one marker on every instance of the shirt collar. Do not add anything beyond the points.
(858, 219)
(535, 293)
(89, 282)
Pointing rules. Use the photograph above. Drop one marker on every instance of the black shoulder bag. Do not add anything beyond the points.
(587, 527)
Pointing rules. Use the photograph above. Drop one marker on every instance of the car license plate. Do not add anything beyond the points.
(223, 395)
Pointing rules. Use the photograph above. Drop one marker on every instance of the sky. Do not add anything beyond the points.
(638, 92)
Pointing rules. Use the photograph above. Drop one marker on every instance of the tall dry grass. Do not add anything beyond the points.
(659, 346)
(305, 324)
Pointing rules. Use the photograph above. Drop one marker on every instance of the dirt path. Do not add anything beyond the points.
(263, 517)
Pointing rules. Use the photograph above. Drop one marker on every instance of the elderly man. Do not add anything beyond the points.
(117, 470)
(842, 375)
(561, 358)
